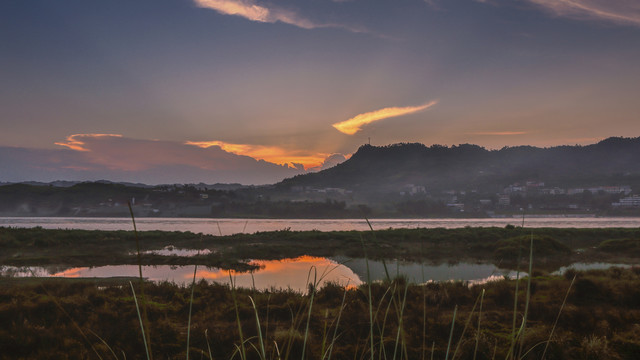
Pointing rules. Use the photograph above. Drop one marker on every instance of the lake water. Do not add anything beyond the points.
(292, 273)
(287, 273)
(233, 226)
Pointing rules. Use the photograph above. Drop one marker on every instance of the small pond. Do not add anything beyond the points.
(283, 274)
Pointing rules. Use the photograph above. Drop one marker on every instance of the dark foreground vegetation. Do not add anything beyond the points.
(69, 319)
(552, 247)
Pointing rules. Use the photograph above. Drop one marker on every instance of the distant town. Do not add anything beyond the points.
(399, 180)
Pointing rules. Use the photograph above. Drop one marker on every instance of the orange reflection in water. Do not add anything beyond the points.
(287, 273)
(293, 274)
(69, 273)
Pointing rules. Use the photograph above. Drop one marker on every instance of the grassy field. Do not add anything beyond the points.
(58, 319)
(552, 247)
(580, 315)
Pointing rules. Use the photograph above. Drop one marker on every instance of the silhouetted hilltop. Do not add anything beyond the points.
(469, 166)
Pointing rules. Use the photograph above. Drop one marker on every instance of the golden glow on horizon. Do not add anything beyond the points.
(499, 133)
(355, 124)
(273, 154)
(74, 143)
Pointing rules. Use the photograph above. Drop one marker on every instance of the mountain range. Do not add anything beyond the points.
(466, 166)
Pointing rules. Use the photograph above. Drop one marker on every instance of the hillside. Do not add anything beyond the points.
(437, 168)
(400, 180)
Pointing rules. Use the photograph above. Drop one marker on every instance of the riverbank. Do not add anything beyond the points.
(553, 248)
(79, 318)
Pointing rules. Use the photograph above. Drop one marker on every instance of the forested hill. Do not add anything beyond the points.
(470, 166)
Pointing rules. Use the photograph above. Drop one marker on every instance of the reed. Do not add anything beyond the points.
(393, 301)
(145, 318)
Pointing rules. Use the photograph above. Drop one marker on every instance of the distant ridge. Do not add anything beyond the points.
(468, 166)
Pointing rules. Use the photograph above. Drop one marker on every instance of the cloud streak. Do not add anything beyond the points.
(119, 158)
(250, 10)
(254, 12)
(622, 12)
(499, 133)
(75, 142)
(356, 123)
(273, 154)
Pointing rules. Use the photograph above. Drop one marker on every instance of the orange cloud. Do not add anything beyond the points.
(250, 10)
(254, 12)
(73, 142)
(109, 156)
(355, 124)
(273, 154)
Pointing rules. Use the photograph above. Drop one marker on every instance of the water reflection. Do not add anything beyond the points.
(424, 272)
(279, 274)
(292, 274)
(589, 266)
(170, 250)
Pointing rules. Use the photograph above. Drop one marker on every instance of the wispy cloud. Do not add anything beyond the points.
(77, 141)
(272, 154)
(116, 157)
(251, 10)
(499, 133)
(254, 12)
(356, 123)
(624, 12)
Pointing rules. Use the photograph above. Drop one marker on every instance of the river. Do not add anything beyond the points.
(233, 226)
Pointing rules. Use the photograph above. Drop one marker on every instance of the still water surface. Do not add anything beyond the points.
(292, 274)
(233, 226)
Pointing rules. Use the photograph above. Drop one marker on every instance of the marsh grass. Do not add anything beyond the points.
(397, 299)
(144, 320)
(386, 304)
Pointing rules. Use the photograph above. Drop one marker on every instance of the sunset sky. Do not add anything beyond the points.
(253, 91)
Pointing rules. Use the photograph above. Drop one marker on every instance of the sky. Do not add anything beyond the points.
(252, 91)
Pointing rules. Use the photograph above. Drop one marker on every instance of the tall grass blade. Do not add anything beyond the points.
(335, 330)
(206, 338)
(142, 297)
(453, 322)
(512, 350)
(515, 304)
(526, 306)
(381, 330)
(105, 344)
(311, 296)
(219, 230)
(400, 322)
(366, 259)
(263, 353)
(466, 326)
(553, 328)
(384, 263)
(193, 287)
(144, 337)
(275, 344)
(475, 351)
(243, 352)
